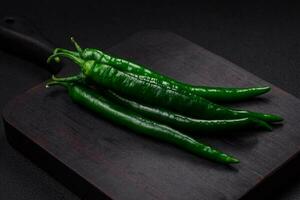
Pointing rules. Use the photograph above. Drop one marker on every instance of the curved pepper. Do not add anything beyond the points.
(121, 116)
(157, 92)
(216, 94)
(182, 122)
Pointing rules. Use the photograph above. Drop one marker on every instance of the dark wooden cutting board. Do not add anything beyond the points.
(96, 158)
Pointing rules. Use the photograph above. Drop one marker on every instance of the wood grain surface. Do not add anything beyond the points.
(94, 157)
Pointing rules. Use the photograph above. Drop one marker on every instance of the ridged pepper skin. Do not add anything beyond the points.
(157, 92)
(181, 122)
(126, 118)
(215, 94)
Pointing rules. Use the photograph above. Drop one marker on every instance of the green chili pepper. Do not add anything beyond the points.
(211, 93)
(156, 92)
(176, 120)
(182, 122)
(97, 103)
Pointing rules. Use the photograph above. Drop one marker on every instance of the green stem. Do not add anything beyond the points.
(77, 78)
(72, 57)
(54, 82)
(77, 47)
(61, 50)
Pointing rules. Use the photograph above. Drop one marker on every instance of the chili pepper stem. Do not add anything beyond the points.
(72, 57)
(55, 82)
(75, 78)
(77, 47)
(61, 50)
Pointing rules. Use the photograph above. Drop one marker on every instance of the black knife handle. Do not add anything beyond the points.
(20, 37)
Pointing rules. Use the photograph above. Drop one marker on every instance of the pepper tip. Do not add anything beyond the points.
(233, 160)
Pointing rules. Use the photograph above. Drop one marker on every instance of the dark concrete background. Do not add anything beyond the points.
(263, 38)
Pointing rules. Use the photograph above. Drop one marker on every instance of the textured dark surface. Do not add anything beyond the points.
(260, 37)
(124, 165)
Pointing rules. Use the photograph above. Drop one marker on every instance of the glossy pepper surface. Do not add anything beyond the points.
(122, 116)
(178, 121)
(217, 94)
(157, 92)
(182, 122)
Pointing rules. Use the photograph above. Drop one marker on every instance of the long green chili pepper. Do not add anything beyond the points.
(157, 92)
(120, 115)
(211, 93)
(176, 120)
(182, 122)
